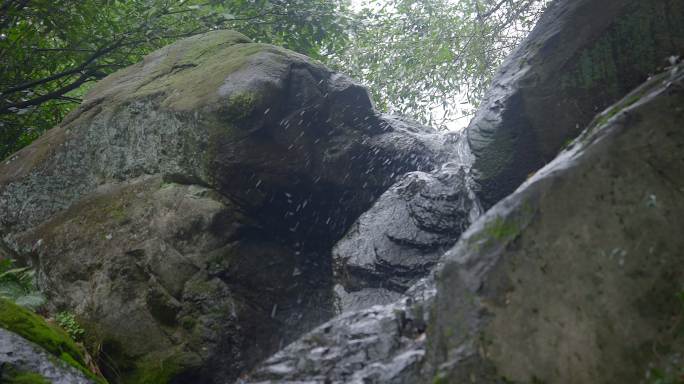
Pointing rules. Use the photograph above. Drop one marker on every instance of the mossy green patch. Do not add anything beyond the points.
(117, 212)
(440, 378)
(156, 372)
(242, 105)
(161, 370)
(502, 229)
(634, 43)
(601, 120)
(35, 329)
(13, 376)
(187, 75)
(566, 144)
(185, 72)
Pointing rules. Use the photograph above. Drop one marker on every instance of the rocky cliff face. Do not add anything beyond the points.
(186, 211)
(417, 339)
(206, 207)
(575, 276)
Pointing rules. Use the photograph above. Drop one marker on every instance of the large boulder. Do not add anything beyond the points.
(186, 211)
(582, 56)
(577, 277)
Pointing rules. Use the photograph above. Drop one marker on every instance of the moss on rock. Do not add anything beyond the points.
(50, 337)
(161, 368)
(179, 71)
(241, 105)
(630, 49)
(13, 376)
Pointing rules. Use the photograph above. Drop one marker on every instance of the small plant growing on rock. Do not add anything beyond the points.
(68, 322)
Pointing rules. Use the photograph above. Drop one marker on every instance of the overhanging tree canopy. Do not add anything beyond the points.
(424, 58)
(416, 56)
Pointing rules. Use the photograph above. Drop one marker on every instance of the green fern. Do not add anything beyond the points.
(18, 284)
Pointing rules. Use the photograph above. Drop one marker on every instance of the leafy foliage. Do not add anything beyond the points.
(18, 285)
(68, 322)
(433, 59)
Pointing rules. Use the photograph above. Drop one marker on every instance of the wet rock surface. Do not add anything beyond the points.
(186, 211)
(525, 121)
(516, 300)
(402, 236)
(582, 57)
(557, 75)
(379, 344)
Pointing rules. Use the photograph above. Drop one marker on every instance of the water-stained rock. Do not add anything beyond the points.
(402, 236)
(400, 239)
(577, 276)
(581, 57)
(186, 211)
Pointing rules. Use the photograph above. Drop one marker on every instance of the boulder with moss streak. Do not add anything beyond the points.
(577, 276)
(186, 211)
(582, 56)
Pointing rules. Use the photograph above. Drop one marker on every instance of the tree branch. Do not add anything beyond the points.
(83, 67)
(4, 11)
(492, 11)
(70, 99)
(62, 50)
(5, 109)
